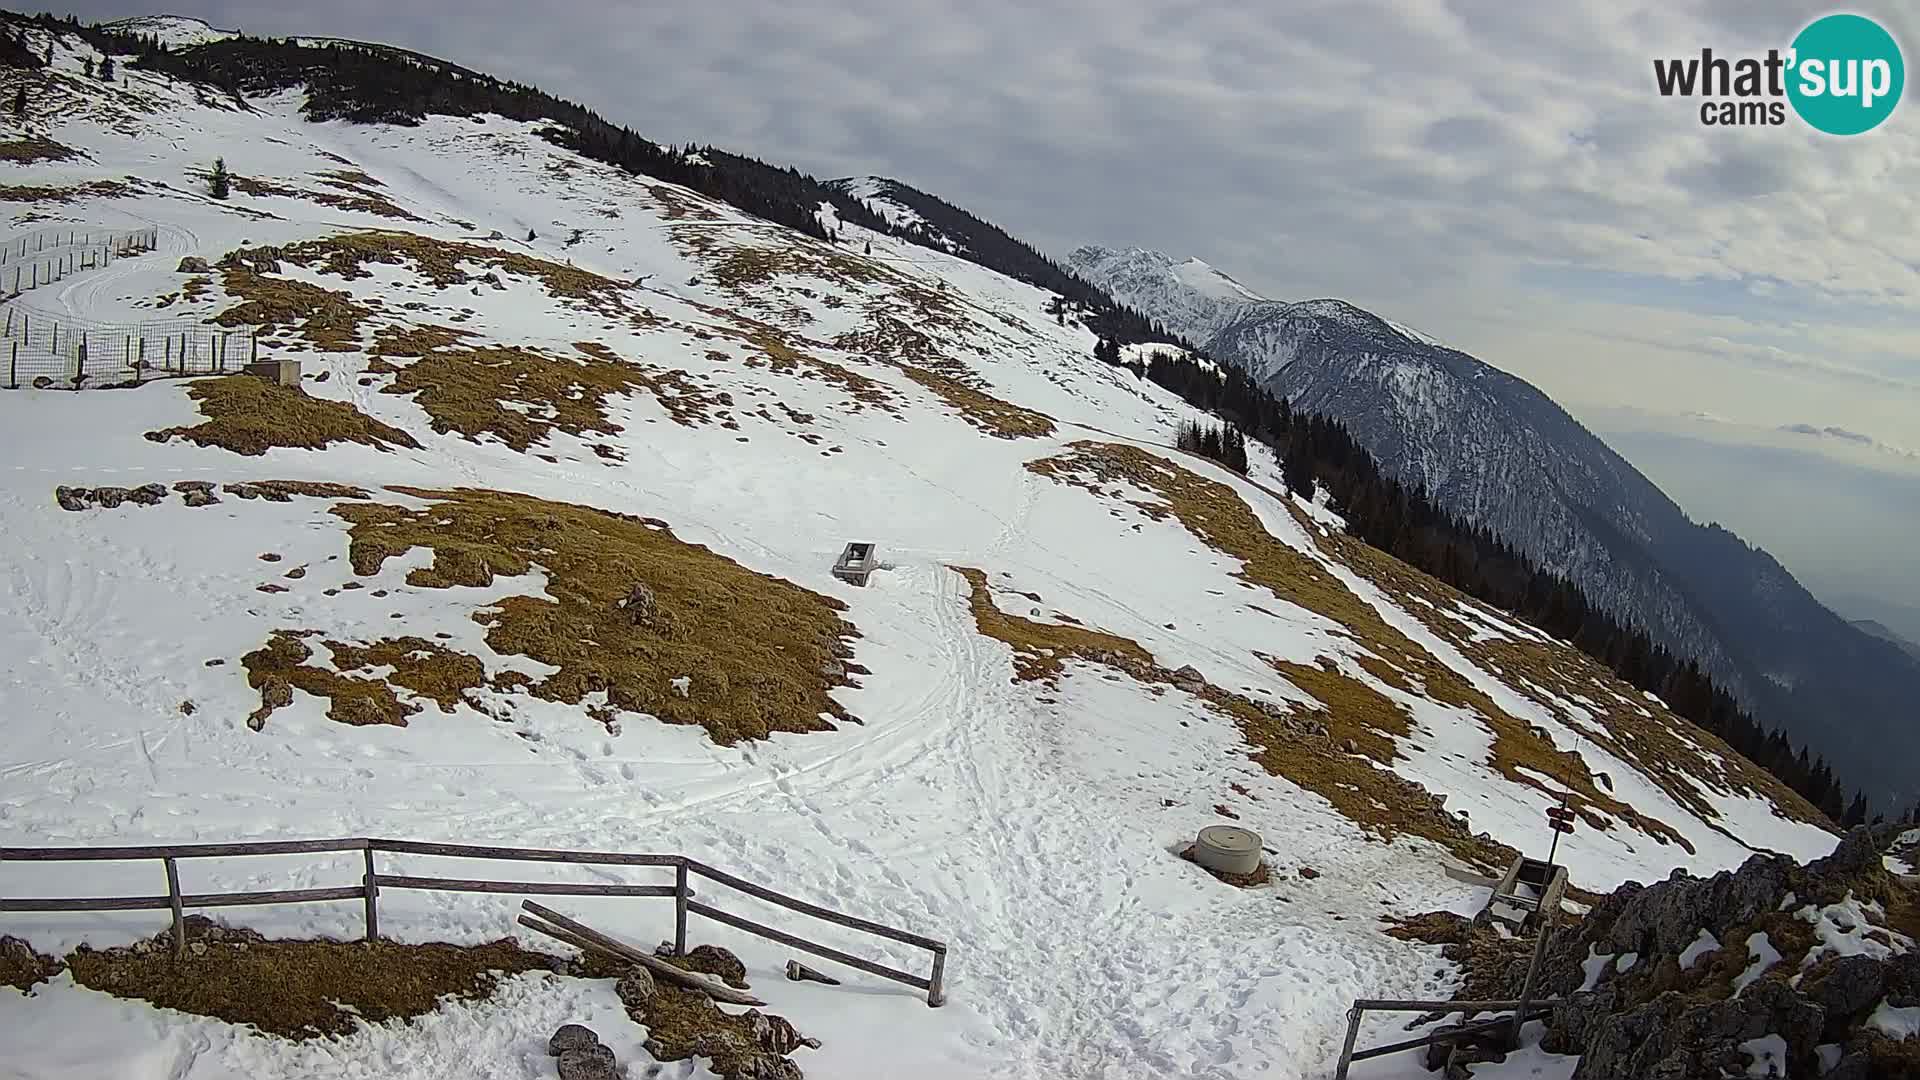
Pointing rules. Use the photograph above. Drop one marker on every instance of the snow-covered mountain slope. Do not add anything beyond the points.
(889, 198)
(174, 31)
(1496, 451)
(548, 564)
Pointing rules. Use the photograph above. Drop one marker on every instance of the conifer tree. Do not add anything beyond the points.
(89, 67)
(106, 69)
(220, 184)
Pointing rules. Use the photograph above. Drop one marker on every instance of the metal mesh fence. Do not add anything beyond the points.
(47, 349)
(39, 258)
(42, 350)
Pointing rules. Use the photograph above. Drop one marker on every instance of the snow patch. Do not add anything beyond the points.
(1701, 946)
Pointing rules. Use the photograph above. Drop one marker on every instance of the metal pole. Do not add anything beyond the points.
(179, 920)
(373, 892)
(680, 909)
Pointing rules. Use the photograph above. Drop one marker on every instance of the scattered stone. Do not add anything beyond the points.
(1189, 679)
(297, 573)
(640, 606)
(637, 986)
(1350, 746)
(665, 948)
(193, 264)
(352, 585)
(41, 382)
(188, 708)
(323, 376)
(270, 557)
(110, 497)
(72, 498)
(1309, 873)
(194, 485)
(198, 948)
(571, 1037)
(149, 494)
(216, 662)
(798, 971)
(595, 1062)
(714, 960)
(776, 1035)
(270, 587)
(200, 498)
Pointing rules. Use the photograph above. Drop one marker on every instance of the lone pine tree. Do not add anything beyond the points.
(220, 184)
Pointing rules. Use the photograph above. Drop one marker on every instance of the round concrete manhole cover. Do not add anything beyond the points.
(1228, 849)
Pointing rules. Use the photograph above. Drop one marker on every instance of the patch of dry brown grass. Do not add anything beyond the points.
(21, 967)
(358, 200)
(760, 654)
(521, 396)
(1041, 649)
(330, 320)
(999, 418)
(96, 189)
(32, 148)
(445, 264)
(249, 415)
(280, 667)
(302, 989)
(1213, 513)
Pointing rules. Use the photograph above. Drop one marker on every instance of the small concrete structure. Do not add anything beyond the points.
(1227, 849)
(279, 372)
(857, 563)
(1529, 887)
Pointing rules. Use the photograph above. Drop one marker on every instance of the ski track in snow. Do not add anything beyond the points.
(1030, 826)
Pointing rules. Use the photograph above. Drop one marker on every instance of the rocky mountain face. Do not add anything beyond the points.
(1495, 450)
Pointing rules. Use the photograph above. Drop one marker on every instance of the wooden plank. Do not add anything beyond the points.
(178, 851)
(539, 888)
(90, 903)
(179, 920)
(680, 896)
(275, 896)
(815, 910)
(370, 889)
(1391, 1005)
(713, 988)
(787, 939)
(474, 851)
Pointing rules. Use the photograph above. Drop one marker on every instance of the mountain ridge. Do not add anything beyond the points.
(1494, 449)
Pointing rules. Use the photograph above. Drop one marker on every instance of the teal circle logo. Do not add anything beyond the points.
(1847, 74)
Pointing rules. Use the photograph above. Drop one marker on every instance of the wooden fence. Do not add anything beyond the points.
(372, 881)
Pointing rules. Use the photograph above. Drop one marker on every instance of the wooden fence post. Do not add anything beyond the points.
(373, 893)
(13, 369)
(680, 909)
(936, 989)
(179, 920)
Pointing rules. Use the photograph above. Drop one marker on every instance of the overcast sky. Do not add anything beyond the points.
(1738, 310)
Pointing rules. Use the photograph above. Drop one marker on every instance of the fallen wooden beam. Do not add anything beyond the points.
(620, 950)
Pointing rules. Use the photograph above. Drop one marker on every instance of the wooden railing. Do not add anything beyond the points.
(372, 881)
